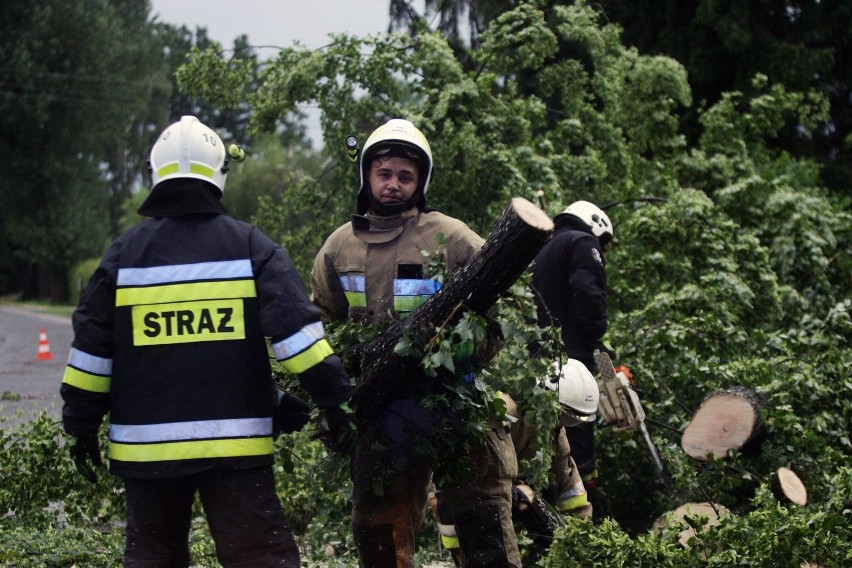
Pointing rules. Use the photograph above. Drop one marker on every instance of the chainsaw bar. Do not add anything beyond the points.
(608, 375)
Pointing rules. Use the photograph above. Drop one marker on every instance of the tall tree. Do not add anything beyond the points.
(525, 117)
(801, 44)
(77, 129)
(462, 22)
(73, 73)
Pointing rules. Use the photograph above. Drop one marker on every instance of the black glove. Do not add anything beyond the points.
(339, 434)
(291, 413)
(519, 498)
(84, 449)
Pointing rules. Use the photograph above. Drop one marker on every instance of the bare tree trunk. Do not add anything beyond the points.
(727, 420)
(512, 245)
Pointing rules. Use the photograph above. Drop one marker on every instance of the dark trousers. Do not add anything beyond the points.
(243, 513)
(385, 523)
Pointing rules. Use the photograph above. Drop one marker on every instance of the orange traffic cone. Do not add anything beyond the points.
(43, 346)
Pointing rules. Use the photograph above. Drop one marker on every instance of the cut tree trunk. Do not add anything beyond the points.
(788, 486)
(712, 512)
(727, 420)
(512, 245)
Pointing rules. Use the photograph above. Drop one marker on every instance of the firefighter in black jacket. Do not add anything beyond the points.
(171, 341)
(569, 281)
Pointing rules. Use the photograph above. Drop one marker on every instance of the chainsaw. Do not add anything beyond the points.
(619, 405)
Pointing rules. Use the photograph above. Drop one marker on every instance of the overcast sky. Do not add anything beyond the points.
(277, 23)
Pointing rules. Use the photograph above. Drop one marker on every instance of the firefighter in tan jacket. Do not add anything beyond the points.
(372, 270)
(578, 396)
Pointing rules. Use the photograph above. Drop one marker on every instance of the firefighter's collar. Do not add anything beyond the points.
(373, 229)
(179, 197)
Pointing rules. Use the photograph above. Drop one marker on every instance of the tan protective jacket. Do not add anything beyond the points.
(375, 268)
(571, 495)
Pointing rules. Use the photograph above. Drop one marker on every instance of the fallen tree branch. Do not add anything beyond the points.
(512, 244)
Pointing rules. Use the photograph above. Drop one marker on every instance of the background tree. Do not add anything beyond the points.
(60, 117)
(461, 22)
(722, 45)
(801, 44)
(77, 130)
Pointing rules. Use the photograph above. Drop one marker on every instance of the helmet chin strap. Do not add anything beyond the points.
(389, 209)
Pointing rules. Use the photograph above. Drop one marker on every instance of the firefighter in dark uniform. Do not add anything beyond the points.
(171, 341)
(570, 287)
(373, 270)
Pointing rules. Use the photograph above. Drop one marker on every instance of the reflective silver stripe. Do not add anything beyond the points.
(299, 341)
(89, 363)
(576, 489)
(199, 430)
(425, 287)
(352, 283)
(222, 270)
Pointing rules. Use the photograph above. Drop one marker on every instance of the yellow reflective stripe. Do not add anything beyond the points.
(573, 503)
(86, 381)
(174, 167)
(591, 475)
(408, 303)
(201, 170)
(185, 292)
(228, 448)
(168, 169)
(308, 358)
(356, 299)
(450, 542)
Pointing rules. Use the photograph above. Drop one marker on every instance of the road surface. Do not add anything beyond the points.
(28, 385)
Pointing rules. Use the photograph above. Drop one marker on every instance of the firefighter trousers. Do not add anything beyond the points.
(243, 512)
(385, 521)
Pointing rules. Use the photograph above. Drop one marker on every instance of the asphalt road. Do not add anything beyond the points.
(28, 385)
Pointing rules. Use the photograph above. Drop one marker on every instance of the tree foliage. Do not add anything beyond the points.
(723, 45)
(63, 120)
(731, 267)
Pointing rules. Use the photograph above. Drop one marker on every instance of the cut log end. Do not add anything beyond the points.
(531, 214)
(727, 420)
(693, 510)
(790, 487)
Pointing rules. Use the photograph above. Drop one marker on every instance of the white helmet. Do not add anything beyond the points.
(189, 149)
(397, 137)
(593, 217)
(577, 388)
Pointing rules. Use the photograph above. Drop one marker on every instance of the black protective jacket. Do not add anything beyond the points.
(569, 281)
(171, 341)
